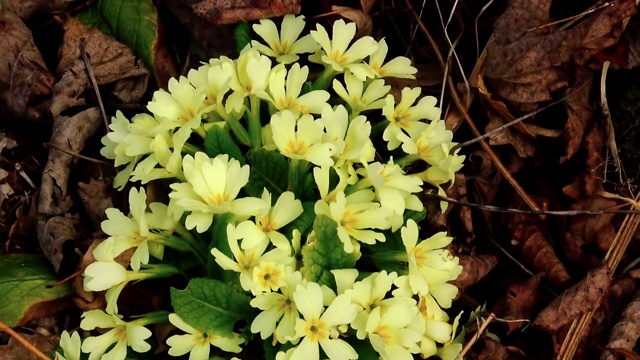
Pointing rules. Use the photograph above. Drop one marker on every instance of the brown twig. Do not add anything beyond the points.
(94, 83)
(77, 155)
(475, 337)
(34, 350)
(529, 212)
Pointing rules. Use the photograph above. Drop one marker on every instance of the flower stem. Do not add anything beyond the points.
(406, 160)
(379, 127)
(297, 169)
(238, 130)
(324, 79)
(255, 127)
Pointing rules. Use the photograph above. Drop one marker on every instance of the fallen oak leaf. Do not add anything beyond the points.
(518, 303)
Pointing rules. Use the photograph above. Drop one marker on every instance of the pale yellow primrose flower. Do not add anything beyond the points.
(122, 334)
(429, 263)
(211, 188)
(70, 345)
(399, 67)
(134, 232)
(250, 76)
(213, 81)
(358, 97)
(435, 328)
(356, 214)
(336, 52)
(166, 152)
(406, 116)
(269, 220)
(286, 95)
(246, 260)
(346, 174)
(197, 343)
(286, 45)
(301, 138)
(113, 277)
(180, 107)
(320, 326)
(390, 332)
(268, 276)
(394, 189)
(351, 139)
(277, 308)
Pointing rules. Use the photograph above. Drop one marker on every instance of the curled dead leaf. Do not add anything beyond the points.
(475, 267)
(518, 303)
(626, 332)
(69, 133)
(53, 233)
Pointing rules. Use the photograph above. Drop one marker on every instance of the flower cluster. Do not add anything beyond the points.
(277, 191)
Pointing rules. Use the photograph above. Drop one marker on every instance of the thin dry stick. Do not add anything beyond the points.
(76, 154)
(456, 98)
(529, 212)
(611, 135)
(475, 338)
(87, 65)
(34, 350)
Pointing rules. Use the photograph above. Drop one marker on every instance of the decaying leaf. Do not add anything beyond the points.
(87, 300)
(518, 303)
(361, 18)
(111, 62)
(487, 348)
(583, 297)
(26, 8)
(23, 75)
(231, 12)
(53, 233)
(535, 250)
(69, 133)
(579, 114)
(95, 197)
(626, 332)
(475, 267)
(14, 350)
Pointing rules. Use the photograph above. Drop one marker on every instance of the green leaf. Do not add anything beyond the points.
(242, 35)
(133, 23)
(23, 285)
(269, 169)
(218, 141)
(363, 348)
(211, 306)
(325, 253)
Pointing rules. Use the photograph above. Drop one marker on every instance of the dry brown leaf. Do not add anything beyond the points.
(26, 8)
(475, 267)
(53, 233)
(69, 133)
(518, 303)
(579, 112)
(363, 21)
(583, 297)
(626, 332)
(524, 145)
(87, 300)
(487, 348)
(14, 350)
(111, 62)
(23, 74)
(531, 245)
(231, 12)
(95, 197)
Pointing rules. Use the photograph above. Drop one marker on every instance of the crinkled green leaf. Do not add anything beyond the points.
(325, 253)
(269, 169)
(211, 306)
(133, 23)
(242, 35)
(218, 141)
(23, 285)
